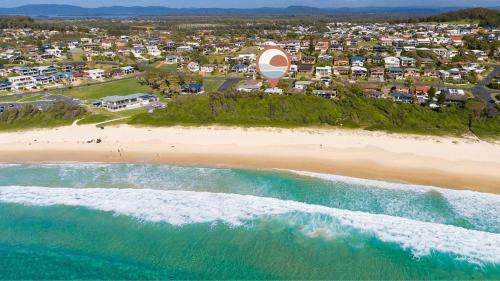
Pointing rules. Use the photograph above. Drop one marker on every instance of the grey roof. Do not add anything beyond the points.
(121, 98)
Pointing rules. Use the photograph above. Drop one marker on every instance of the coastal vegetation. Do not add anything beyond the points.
(349, 111)
(485, 16)
(28, 116)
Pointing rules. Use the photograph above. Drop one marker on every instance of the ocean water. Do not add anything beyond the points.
(138, 221)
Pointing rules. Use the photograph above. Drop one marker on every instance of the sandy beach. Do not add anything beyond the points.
(465, 163)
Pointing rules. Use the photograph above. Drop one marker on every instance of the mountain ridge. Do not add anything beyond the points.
(58, 10)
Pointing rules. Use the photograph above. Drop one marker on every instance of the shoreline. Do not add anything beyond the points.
(459, 163)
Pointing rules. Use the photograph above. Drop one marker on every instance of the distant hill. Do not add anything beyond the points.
(52, 10)
(485, 16)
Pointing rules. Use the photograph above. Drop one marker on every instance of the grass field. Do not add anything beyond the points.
(212, 85)
(99, 115)
(168, 67)
(97, 91)
(213, 58)
(20, 99)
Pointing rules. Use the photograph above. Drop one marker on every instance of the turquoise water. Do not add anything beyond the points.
(118, 221)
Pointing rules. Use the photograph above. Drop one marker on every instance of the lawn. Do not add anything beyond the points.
(31, 98)
(168, 67)
(77, 55)
(212, 85)
(97, 91)
(216, 58)
(102, 114)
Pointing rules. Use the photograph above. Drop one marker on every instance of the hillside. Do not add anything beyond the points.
(486, 17)
(53, 10)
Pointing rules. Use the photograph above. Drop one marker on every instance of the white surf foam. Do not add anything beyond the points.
(187, 207)
(467, 203)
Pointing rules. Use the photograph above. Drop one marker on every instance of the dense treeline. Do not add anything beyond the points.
(352, 111)
(28, 22)
(486, 17)
(168, 82)
(29, 116)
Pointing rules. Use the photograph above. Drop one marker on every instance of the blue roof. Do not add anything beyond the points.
(63, 75)
(241, 65)
(191, 87)
(357, 58)
(5, 83)
(395, 69)
(402, 95)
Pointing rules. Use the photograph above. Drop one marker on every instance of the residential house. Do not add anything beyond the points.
(5, 85)
(191, 88)
(55, 52)
(95, 74)
(249, 86)
(302, 85)
(308, 59)
(126, 102)
(22, 82)
(392, 62)
(273, 91)
(408, 62)
(377, 73)
(411, 72)
(322, 46)
(374, 94)
(327, 94)
(323, 71)
(395, 73)
(153, 50)
(402, 97)
(127, 69)
(305, 68)
(44, 79)
(193, 66)
(357, 60)
(241, 67)
(426, 61)
(341, 70)
(325, 58)
(358, 72)
(457, 40)
(46, 70)
(340, 61)
(421, 92)
(207, 68)
(172, 59)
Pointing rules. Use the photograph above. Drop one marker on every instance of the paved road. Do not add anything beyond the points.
(46, 101)
(229, 83)
(480, 89)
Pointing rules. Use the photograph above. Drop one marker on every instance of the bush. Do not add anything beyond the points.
(28, 116)
(350, 110)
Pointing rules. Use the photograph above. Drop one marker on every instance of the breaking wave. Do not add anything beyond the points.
(188, 207)
(467, 203)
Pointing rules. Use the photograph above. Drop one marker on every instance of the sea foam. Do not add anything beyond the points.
(188, 207)
(467, 203)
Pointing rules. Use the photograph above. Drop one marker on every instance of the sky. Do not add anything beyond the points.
(257, 3)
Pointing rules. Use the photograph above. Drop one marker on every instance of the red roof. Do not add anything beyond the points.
(424, 89)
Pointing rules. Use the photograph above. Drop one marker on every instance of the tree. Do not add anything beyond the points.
(441, 98)
(311, 46)
(432, 94)
(475, 108)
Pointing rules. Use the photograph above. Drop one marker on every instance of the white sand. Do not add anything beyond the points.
(450, 162)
